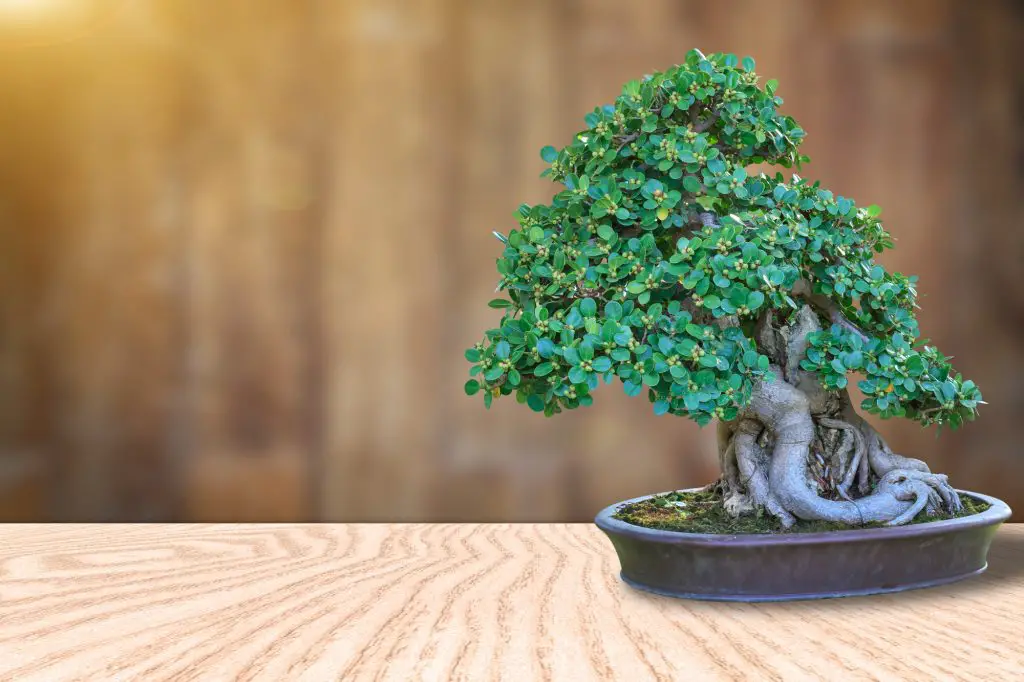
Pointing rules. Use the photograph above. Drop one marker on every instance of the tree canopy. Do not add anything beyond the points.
(654, 261)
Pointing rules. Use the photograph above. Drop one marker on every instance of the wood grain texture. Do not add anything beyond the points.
(453, 602)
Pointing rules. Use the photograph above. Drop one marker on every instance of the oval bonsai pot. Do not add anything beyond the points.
(785, 566)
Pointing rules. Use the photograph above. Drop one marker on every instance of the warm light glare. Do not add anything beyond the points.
(25, 5)
(36, 11)
(45, 22)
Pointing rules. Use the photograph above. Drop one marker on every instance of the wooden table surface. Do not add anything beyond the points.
(473, 602)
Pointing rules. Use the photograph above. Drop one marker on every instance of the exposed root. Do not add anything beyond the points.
(734, 495)
(753, 462)
(881, 460)
(885, 460)
(730, 470)
(728, 484)
(776, 455)
(848, 469)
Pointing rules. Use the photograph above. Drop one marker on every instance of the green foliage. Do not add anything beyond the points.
(623, 276)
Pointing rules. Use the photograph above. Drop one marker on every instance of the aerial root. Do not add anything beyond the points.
(752, 460)
(848, 469)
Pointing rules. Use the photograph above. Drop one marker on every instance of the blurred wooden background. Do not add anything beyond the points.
(243, 244)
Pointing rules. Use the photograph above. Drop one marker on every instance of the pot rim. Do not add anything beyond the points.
(997, 513)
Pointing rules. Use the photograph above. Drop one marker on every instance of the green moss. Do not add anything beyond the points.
(704, 513)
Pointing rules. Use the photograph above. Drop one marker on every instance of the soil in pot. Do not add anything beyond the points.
(703, 512)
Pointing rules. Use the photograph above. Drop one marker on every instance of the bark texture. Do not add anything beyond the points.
(800, 451)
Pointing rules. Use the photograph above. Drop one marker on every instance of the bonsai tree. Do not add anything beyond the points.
(726, 295)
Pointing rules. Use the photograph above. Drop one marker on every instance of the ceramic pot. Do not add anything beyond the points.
(785, 566)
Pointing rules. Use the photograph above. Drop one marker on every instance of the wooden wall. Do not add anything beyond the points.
(244, 243)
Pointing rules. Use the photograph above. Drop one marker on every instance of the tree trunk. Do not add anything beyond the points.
(797, 451)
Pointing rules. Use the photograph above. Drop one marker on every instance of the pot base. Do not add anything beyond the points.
(798, 597)
(797, 566)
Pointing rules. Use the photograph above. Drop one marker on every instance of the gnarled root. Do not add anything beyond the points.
(744, 461)
(753, 461)
(881, 460)
(852, 467)
(728, 483)
(786, 446)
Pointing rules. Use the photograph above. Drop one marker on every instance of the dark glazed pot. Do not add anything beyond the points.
(780, 567)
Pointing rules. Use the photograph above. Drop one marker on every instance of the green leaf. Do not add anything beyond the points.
(502, 350)
(500, 303)
(602, 364)
(513, 377)
(535, 402)
(948, 390)
(853, 360)
(613, 310)
(605, 232)
(472, 386)
(754, 300)
(543, 369)
(472, 354)
(493, 374)
(549, 153)
(711, 302)
(874, 210)
(661, 407)
(622, 213)
(636, 287)
(588, 307)
(577, 375)
(771, 86)
(609, 330)
(691, 184)
(571, 355)
(545, 347)
(536, 233)
(573, 318)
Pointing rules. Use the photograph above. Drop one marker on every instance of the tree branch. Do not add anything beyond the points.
(701, 125)
(708, 219)
(826, 305)
(626, 140)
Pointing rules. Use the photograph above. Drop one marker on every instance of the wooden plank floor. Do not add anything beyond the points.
(453, 602)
